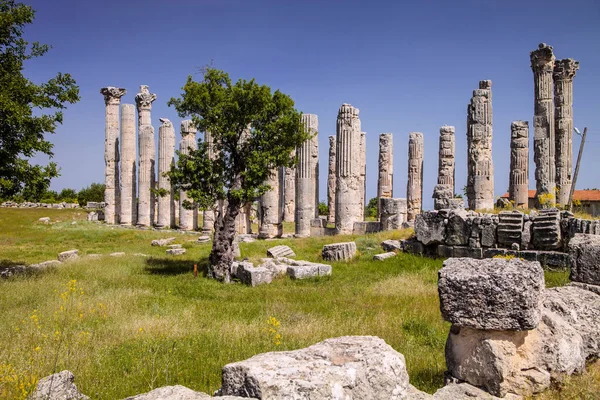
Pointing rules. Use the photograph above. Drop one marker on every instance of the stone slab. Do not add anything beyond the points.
(384, 256)
(584, 252)
(68, 255)
(339, 251)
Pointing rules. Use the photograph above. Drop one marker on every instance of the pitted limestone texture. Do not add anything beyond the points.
(496, 294)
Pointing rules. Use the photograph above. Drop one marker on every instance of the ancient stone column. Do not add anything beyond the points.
(270, 208)
(518, 186)
(480, 168)
(363, 175)
(564, 72)
(147, 169)
(308, 154)
(208, 216)
(331, 179)
(385, 181)
(112, 99)
(542, 64)
(128, 209)
(444, 190)
(349, 168)
(414, 187)
(289, 193)
(147, 147)
(188, 219)
(166, 158)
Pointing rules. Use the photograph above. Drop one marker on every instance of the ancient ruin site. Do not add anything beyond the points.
(299, 201)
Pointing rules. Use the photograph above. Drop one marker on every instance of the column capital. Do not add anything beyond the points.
(188, 127)
(144, 98)
(165, 122)
(112, 95)
(485, 85)
(565, 69)
(447, 130)
(542, 59)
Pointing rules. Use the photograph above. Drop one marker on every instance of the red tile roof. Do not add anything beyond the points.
(583, 195)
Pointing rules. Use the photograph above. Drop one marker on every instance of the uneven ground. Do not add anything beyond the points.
(125, 325)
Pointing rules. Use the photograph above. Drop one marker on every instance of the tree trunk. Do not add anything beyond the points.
(221, 255)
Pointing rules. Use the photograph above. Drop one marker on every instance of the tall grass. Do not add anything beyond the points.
(129, 324)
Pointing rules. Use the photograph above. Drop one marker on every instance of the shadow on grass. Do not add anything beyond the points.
(170, 266)
(5, 263)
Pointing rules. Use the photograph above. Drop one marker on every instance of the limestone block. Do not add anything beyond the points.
(364, 227)
(581, 309)
(528, 255)
(162, 242)
(469, 252)
(510, 227)
(526, 235)
(175, 252)
(495, 294)
(488, 235)
(59, 386)
(458, 228)
(445, 251)
(280, 251)
(413, 246)
(465, 391)
(277, 267)
(546, 230)
(384, 256)
(305, 269)
(254, 276)
(392, 213)
(554, 259)
(584, 250)
(350, 367)
(339, 251)
(174, 246)
(203, 239)
(68, 255)
(176, 392)
(391, 245)
(430, 227)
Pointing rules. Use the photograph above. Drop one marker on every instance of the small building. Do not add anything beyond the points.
(590, 200)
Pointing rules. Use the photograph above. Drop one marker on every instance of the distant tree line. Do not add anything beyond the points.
(94, 192)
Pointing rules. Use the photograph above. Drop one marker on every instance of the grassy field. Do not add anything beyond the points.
(125, 325)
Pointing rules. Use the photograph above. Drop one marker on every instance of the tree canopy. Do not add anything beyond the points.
(28, 111)
(253, 131)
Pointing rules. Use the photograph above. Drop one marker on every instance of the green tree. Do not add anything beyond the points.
(371, 208)
(68, 195)
(323, 208)
(27, 111)
(254, 132)
(94, 192)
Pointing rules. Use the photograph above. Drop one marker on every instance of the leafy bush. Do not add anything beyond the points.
(94, 192)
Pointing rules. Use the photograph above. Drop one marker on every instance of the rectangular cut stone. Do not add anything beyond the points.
(252, 276)
(491, 294)
(471, 252)
(364, 227)
(584, 250)
(339, 251)
(445, 251)
(391, 245)
(68, 255)
(281, 251)
(308, 270)
(384, 256)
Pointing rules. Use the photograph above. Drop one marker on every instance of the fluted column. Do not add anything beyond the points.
(128, 192)
(147, 169)
(308, 156)
(385, 180)
(188, 219)
(349, 168)
(270, 207)
(518, 186)
(444, 190)
(166, 158)
(331, 181)
(564, 72)
(363, 175)
(414, 187)
(112, 99)
(542, 65)
(208, 215)
(480, 167)
(289, 192)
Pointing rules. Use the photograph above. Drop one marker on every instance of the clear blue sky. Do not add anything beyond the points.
(408, 66)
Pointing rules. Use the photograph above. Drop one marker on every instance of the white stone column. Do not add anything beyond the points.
(166, 158)
(385, 181)
(208, 216)
(480, 167)
(188, 219)
(363, 175)
(289, 193)
(564, 72)
(349, 168)
(128, 209)
(444, 190)
(518, 187)
(414, 187)
(147, 169)
(270, 208)
(308, 155)
(112, 99)
(542, 65)
(331, 181)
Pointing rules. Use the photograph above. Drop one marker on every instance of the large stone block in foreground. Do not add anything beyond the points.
(339, 251)
(495, 293)
(58, 386)
(349, 367)
(584, 250)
